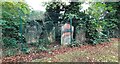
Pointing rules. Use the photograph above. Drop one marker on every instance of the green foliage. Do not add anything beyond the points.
(53, 11)
(42, 48)
(96, 22)
(72, 10)
(12, 10)
(100, 25)
(98, 8)
(25, 50)
(44, 41)
(10, 42)
(42, 44)
(11, 14)
(76, 43)
(48, 25)
(113, 18)
(95, 31)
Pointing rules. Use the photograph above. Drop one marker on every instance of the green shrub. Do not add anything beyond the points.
(10, 42)
(76, 43)
(44, 41)
(42, 48)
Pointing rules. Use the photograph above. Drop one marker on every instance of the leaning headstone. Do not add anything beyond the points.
(66, 34)
(32, 32)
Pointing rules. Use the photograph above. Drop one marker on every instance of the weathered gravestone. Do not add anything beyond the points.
(80, 36)
(66, 34)
(49, 31)
(32, 32)
(51, 35)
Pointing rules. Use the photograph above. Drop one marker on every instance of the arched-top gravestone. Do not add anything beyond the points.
(66, 34)
(32, 31)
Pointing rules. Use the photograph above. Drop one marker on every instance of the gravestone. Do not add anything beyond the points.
(51, 35)
(32, 32)
(81, 36)
(49, 32)
(66, 34)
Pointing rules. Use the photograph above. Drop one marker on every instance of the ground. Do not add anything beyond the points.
(106, 52)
